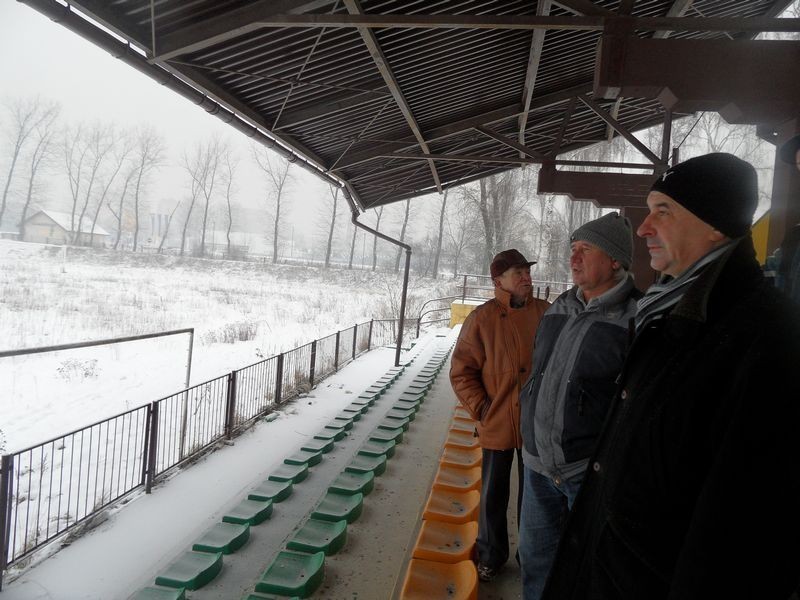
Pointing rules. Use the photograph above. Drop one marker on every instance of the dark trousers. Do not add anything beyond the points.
(492, 542)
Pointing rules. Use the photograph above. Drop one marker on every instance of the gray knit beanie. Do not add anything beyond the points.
(612, 234)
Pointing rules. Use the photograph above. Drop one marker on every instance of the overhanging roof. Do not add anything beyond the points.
(397, 99)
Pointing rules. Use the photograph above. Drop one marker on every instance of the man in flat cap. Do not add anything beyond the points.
(694, 488)
(580, 346)
(490, 363)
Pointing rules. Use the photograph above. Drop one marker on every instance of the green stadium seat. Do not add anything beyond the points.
(289, 472)
(335, 507)
(191, 571)
(320, 536)
(223, 537)
(250, 512)
(363, 464)
(277, 491)
(293, 573)
(304, 457)
(353, 483)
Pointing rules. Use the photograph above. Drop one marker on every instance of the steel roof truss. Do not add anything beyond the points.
(603, 114)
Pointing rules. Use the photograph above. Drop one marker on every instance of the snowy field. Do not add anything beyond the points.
(241, 313)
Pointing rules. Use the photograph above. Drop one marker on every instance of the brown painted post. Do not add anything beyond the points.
(355, 333)
(7, 467)
(336, 354)
(152, 449)
(313, 363)
(369, 337)
(230, 405)
(279, 380)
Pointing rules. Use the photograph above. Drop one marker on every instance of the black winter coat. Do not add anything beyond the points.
(694, 489)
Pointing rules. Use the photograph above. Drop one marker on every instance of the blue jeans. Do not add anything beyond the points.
(545, 505)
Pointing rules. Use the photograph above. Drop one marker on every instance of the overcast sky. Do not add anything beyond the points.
(43, 57)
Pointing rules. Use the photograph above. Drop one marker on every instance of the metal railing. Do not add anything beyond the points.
(479, 287)
(49, 489)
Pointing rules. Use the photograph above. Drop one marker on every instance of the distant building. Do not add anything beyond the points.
(52, 227)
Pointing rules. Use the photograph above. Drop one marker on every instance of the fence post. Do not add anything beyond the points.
(369, 337)
(464, 291)
(152, 452)
(230, 405)
(336, 354)
(313, 363)
(6, 469)
(279, 380)
(355, 333)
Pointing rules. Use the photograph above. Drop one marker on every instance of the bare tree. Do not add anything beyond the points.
(231, 163)
(148, 155)
(499, 207)
(378, 215)
(203, 168)
(166, 228)
(26, 116)
(119, 213)
(402, 237)
(334, 192)
(100, 140)
(352, 248)
(122, 150)
(75, 150)
(460, 227)
(439, 237)
(276, 170)
(41, 154)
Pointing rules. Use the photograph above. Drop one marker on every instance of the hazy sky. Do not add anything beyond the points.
(42, 57)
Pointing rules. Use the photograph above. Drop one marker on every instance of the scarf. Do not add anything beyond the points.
(662, 296)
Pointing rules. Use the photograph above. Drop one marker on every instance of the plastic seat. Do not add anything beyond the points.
(446, 542)
(452, 507)
(457, 479)
(335, 507)
(319, 535)
(304, 457)
(277, 491)
(223, 537)
(289, 472)
(426, 580)
(317, 445)
(461, 439)
(250, 512)
(191, 571)
(160, 593)
(378, 448)
(293, 574)
(461, 457)
(353, 483)
(462, 426)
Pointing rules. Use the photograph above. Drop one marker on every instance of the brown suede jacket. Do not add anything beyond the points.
(490, 364)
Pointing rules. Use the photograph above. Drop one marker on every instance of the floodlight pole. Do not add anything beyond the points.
(375, 232)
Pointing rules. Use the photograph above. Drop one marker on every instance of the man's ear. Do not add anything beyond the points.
(615, 266)
(496, 282)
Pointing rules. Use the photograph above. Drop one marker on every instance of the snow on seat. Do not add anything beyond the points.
(461, 457)
(192, 570)
(446, 542)
(226, 538)
(378, 448)
(293, 574)
(401, 413)
(452, 507)
(304, 457)
(356, 408)
(353, 483)
(335, 506)
(413, 396)
(457, 479)
(385, 435)
(160, 593)
(250, 512)
(345, 421)
(338, 430)
(289, 472)
(367, 464)
(369, 397)
(426, 579)
(320, 536)
(407, 405)
(391, 424)
(461, 439)
(375, 389)
(418, 386)
(277, 491)
(351, 415)
(317, 445)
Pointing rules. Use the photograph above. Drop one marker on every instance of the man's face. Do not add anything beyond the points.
(592, 269)
(516, 281)
(676, 238)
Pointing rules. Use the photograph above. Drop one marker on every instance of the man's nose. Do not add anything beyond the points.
(645, 229)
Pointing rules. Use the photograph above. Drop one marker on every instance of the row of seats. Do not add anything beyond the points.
(441, 566)
(325, 531)
(299, 569)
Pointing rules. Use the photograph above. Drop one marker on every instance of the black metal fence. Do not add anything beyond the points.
(49, 489)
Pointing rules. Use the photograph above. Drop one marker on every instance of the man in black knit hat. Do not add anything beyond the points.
(693, 491)
(788, 276)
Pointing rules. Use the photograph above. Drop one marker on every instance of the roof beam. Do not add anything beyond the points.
(593, 23)
(462, 125)
(232, 24)
(583, 7)
(626, 7)
(678, 9)
(600, 112)
(519, 161)
(374, 48)
(508, 142)
(537, 41)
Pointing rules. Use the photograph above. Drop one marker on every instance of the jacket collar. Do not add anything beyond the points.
(504, 298)
(616, 295)
(731, 275)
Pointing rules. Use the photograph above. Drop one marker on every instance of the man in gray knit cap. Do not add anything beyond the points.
(579, 349)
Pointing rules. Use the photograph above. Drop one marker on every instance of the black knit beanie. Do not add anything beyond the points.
(718, 188)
